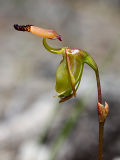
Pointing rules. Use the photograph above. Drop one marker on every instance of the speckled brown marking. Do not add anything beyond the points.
(22, 27)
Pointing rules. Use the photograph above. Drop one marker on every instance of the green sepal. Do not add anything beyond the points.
(90, 61)
(86, 58)
(63, 77)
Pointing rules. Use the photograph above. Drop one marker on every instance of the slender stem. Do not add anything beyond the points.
(101, 124)
(89, 60)
(98, 86)
(100, 148)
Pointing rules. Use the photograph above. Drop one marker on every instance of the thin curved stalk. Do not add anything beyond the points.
(52, 50)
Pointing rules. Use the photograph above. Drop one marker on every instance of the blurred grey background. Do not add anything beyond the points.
(27, 78)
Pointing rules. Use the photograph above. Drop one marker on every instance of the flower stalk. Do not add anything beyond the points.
(98, 86)
(101, 124)
(102, 111)
(102, 114)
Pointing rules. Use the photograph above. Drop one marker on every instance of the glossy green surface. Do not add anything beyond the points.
(63, 81)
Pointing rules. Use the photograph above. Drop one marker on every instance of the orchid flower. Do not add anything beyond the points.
(69, 73)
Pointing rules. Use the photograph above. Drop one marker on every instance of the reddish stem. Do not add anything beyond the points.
(101, 124)
(98, 87)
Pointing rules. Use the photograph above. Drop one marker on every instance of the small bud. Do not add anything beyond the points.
(46, 33)
(102, 111)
